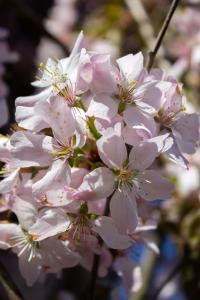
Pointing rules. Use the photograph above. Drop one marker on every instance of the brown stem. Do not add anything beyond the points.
(94, 274)
(96, 260)
(12, 291)
(152, 54)
(167, 280)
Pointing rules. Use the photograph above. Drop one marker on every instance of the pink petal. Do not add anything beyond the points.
(58, 197)
(152, 186)
(85, 73)
(123, 207)
(126, 269)
(25, 112)
(70, 63)
(186, 132)
(25, 212)
(30, 149)
(98, 184)
(5, 148)
(135, 118)
(175, 155)
(58, 116)
(103, 71)
(142, 156)
(57, 255)
(173, 101)
(106, 228)
(7, 233)
(9, 182)
(27, 119)
(146, 108)
(154, 94)
(30, 101)
(50, 223)
(112, 149)
(30, 269)
(77, 175)
(57, 176)
(103, 106)
(131, 65)
(130, 136)
(163, 142)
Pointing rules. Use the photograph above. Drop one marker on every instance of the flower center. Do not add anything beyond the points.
(126, 94)
(68, 93)
(4, 172)
(80, 226)
(165, 120)
(52, 73)
(25, 242)
(63, 151)
(125, 178)
(2, 201)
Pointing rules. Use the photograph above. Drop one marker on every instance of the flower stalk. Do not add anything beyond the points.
(163, 30)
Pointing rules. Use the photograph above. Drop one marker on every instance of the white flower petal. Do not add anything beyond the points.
(97, 184)
(106, 228)
(112, 149)
(131, 65)
(123, 207)
(152, 186)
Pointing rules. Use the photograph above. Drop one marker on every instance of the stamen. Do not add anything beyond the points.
(51, 73)
(43, 200)
(63, 151)
(126, 94)
(125, 179)
(80, 225)
(166, 120)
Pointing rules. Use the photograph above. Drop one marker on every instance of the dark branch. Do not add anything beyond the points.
(12, 291)
(166, 281)
(94, 274)
(152, 54)
(96, 260)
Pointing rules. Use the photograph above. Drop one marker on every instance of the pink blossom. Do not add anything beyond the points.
(57, 77)
(34, 257)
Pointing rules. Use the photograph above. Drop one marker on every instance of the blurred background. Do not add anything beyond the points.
(33, 30)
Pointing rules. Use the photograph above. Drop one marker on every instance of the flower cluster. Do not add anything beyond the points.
(87, 153)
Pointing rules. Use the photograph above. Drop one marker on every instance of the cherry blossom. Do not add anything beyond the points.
(86, 157)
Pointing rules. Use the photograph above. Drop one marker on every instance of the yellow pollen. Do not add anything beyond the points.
(126, 94)
(43, 200)
(125, 174)
(166, 120)
(34, 236)
(66, 151)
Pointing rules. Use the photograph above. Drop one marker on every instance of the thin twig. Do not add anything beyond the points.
(96, 260)
(94, 274)
(166, 281)
(35, 20)
(12, 291)
(152, 54)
